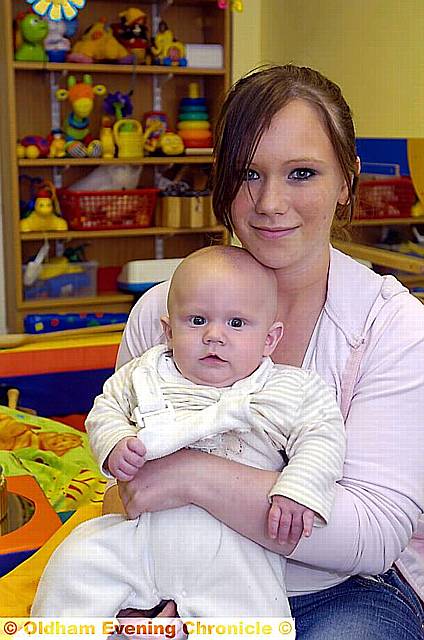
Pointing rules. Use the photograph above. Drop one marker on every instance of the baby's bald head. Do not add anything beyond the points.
(223, 263)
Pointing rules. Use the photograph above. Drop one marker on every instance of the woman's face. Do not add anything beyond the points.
(284, 209)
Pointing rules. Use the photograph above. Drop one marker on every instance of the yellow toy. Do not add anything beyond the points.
(31, 151)
(57, 145)
(171, 144)
(167, 50)
(99, 43)
(129, 138)
(45, 216)
(107, 139)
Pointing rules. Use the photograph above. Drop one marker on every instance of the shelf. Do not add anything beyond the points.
(378, 222)
(81, 162)
(93, 67)
(382, 257)
(48, 303)
(118, 233)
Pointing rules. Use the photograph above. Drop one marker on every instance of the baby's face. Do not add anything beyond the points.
(220, 326)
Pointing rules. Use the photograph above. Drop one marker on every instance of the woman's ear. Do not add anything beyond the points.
(357, 166)
(344, 191)
(166, 326)
(274, 336)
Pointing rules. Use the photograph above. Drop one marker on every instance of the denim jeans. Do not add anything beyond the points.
(381, 607)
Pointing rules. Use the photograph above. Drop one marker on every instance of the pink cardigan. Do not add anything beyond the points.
(370, 349)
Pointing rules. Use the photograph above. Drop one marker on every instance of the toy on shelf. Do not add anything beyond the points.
(160, 119)
(32, 147)
(166, 49)
(46, 214)
(159, 139)
(129, 137)
(98, 43)
(57, 9)
(118, 104)
(60, 278)
(51, 322)
(193, 120)
(171, 144)
(57, 144)
(236, 5)
(106, 138)
(56, 44)
(132, 33)
(79, 142)
(32, 33)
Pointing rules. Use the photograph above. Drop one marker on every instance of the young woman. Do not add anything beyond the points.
(285, 173)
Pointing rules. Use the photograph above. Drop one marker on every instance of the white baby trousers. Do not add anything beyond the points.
(110, 563)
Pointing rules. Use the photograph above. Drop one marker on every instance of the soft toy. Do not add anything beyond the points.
(79, 142)
(132, 33)
(98, 43)
(33, 31)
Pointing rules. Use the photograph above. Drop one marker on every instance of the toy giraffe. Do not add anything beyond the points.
(79, 142)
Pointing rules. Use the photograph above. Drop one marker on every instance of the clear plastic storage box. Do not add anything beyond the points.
(71, 280)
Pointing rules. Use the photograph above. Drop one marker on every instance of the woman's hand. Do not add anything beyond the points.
(160, 484)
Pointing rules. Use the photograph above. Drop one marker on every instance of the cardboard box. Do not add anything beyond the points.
(196, 211)
(208, 56)
(170, 212)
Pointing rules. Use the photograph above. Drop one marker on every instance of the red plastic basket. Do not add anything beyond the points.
(97, 210)
(387, 198)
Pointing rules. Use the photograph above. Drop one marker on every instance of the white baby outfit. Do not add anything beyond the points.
(185, 554)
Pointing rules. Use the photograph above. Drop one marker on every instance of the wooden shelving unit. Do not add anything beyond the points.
(27, 109)
(89, 162)
(120, 233)
(386, 222)
(74, 67)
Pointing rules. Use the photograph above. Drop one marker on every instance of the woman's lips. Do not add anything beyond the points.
(274, 233)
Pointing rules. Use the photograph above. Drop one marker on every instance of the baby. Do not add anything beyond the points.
(212, 387)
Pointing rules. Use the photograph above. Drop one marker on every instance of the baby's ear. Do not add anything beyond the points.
(166, 326)
(275, 333)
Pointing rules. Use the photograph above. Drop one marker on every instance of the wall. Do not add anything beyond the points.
(246, 40)
(372, 48)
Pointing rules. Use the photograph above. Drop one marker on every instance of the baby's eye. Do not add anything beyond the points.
(236, 323)
(251, 174)
(303, 173)
(197, 321)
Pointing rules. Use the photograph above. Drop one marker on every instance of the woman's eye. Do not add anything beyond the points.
(301, 174)
(236, 323)
(197, 321)
(251, 174)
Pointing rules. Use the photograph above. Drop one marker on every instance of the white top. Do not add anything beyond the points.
(276, 408)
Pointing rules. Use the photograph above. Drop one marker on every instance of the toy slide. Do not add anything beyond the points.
(12, 340)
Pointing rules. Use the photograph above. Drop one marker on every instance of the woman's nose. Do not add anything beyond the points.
(272, 197)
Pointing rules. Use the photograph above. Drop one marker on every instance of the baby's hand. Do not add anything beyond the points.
(288, 520)
(126, 458)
